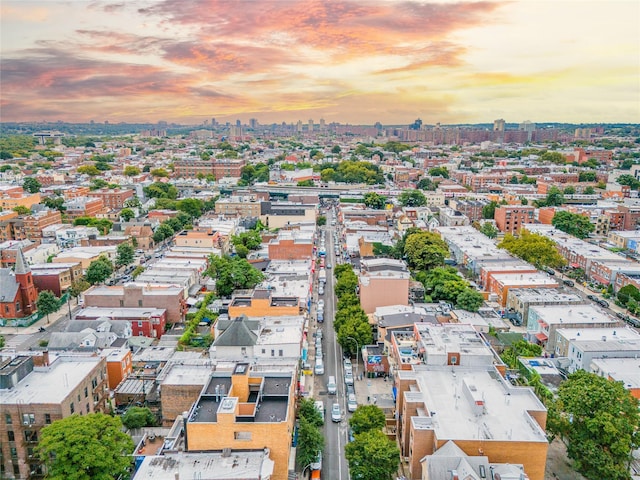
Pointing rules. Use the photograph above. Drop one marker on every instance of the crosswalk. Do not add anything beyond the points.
(13, 341)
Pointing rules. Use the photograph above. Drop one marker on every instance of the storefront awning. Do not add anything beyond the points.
(542, 337)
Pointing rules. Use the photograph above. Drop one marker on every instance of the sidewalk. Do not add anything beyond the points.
(375, 391)
(63, 312)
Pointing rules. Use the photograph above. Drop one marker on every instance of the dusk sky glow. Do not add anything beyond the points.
(354, 61)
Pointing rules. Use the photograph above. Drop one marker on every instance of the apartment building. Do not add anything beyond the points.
(32, 397)
(458, 394)
(11, 227)
(383, 282)
(545, 320)
(145, 322)
(228, 168)
(499, 284)
(85, 255)
(243, 206)
(511, 218)
(263, 303)
(192, 167)
(12, 196)
(112, 199)
(243, 410)
(34, 224)
(519, 300)
(285, 214)
(292, 245)
(56, 277)
(138, 295)
(84, 207)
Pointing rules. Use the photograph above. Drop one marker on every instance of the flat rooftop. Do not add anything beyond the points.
(52, 384)
(248, 465)
(588, 334)
(544, 295)
(477, 404)
(524, 279)
(625, 370)
(116, 313)
(559, 314)
(178, 374)
(451, 337)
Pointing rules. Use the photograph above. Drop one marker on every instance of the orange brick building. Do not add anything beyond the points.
(262, 304)
(112, 198)
(290, 249)
(511, 218)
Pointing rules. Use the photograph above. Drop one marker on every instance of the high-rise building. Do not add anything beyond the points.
(498, 125)
(253, 123)
(322, 124)
(299, 126)
(311, 125)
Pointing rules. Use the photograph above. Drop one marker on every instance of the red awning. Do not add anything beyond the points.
(575, 265)
(542, 337)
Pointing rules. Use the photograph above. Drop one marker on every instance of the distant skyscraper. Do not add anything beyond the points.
(253, 123)
(322, 125)
(213, 122)
(299, 126)
(238, 123)
(528, 127)
(498, 125)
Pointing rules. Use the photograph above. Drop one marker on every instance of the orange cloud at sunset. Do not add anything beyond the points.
(346, 60)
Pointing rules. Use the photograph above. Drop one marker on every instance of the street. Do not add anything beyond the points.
(334, 464)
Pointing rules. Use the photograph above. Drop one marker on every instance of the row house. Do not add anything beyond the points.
(84, 207)
(112, 199)
(145, 322)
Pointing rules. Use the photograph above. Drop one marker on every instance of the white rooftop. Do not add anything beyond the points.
(478, 404)
(52, 384)
(125, 312)
(437, 341)
(559, 314)
(524, 279)
(625, 370)
(597, 334)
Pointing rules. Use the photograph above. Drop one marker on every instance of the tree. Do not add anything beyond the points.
(599, 420)
(163, 232)
(469, 300)
(191, 206)
(553, 157)
(31, 185)
(21, 210)
(521, 348)
(570, 190)
(554, 198)
(161, 190)
(232, 274)
(489, 210)
(131, 171)
(251, 239)
(124, 254)
(489, 229)
(321, 220)
(372, 456)
(533, 248)
(412, 198)
(573, 224)
(306, 183)
(127, 214)
(133, 202)
(629, 180)
(159, 172)
(439, 172)
(336, 149)
(425, 250)
(367, 417)
(587, 176)
(307, 409)
(86, 447)
(628, 292)
(78, 286)
(99, 270)
(347, 283)
(90, 170)
(354, 328)
(373, 200)
(589, 190)
(137, 417)
(47, 303)
(310, 442)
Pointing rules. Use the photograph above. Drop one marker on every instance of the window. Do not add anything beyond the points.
(279, 353)
(88, 408)
(17, 306)
(28, 419)
(11, 436)
(121, 303)
(7, 419)
(139, 303)
(14, 452)
(78, 398)
(139, 323)
(72, 408)
(273, 352)
(141, 334)
(30, 436)
(47, 418)
(242, 435)
(86, 392)
(94, 383)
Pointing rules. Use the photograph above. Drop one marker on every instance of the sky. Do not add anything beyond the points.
(347, 61)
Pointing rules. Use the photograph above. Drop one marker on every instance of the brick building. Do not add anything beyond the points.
(35, 396)
(243, 206)
(84, 207)
(227, 167)
(383, 282)
(112, 199)
(134, 295)
(34, 223)
(145, 322)
(511, 218)
(56, 277)
(291, 245)
(12, 196)
(18, 293)
(192, 167)
(262, 304)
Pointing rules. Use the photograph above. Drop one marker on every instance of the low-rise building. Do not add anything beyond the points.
(383, 282)
(112, 198)
(520, 299)
(500, 284)
(145, 322)
(56, 277)
(32, 397)
(83, 207)
(245, 410)
(292, 245)
(85, 255)
(263, 303)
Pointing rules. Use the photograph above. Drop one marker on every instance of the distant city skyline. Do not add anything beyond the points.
(344, 61)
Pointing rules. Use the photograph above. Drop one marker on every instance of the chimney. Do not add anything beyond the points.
(45, 358)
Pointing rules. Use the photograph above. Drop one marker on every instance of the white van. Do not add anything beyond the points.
(320, 407)
(319, 368)
(332, 386)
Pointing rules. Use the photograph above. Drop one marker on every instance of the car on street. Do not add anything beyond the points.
(569, 283)
(320, 407)
(352, 403)
(319, 367)
(336, 414)
(317, 463)
(602, 303)
(592, 297)
(320, 317)
(351, 390)
(328, 266)
(348, 378)
(320, 304)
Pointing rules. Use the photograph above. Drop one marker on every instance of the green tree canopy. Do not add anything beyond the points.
(90, 170)
(489, 210)
(127, 214)
(439, 172)
(587, 176)
(354, 328)
(47, 303)
(553, 157)
(310, 442)
(250, 239)
(628, 292)
(533, 248)
(321, 220)
(554, 198)
(232, 274)
(161, 190)
(372, 456)
(346, 283)
(86, 447)
(131, 171)
(489, 229)
(573, 224)
(412, 198)
(191, 206)
(31, 185)
(78, 286)
(521, 348)
(137, 417)
(367, 417)
(599, 420)
(159, 172)
(99, 270)
(469, 300)
(163, 232)
(425, 250)
(21, 210)
(570, 190)
(307, 409)
(373, 200)
(124, 254)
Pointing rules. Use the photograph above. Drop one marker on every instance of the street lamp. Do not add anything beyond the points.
(357, 348)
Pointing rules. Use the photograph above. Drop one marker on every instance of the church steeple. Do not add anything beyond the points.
(21, 264)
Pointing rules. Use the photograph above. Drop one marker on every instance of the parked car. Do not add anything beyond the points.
(550, 271)
(592, 297)
(352, 403)
(603, 303)
(336, 414)
(569, 283)
(332, 387)
(320, 407)
(351, 390)
(320, 304)
(348, 378)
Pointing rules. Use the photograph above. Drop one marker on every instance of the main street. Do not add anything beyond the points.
(334, 464)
